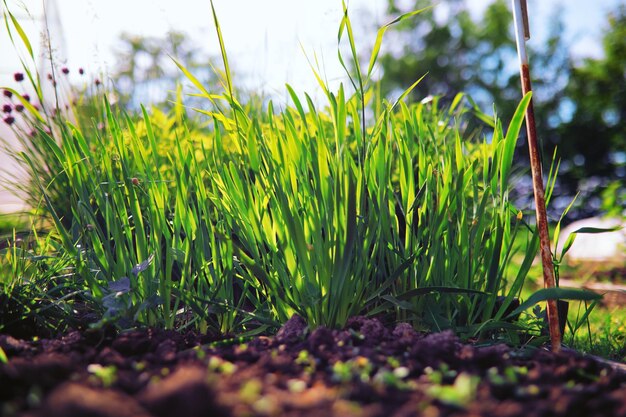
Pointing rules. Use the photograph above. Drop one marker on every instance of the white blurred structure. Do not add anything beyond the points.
(42, 25)
(607, 247)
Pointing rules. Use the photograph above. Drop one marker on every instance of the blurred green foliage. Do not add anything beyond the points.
(580, 105)
(145, 73)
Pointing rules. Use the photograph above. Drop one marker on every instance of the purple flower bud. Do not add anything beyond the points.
(9, 120)
(81, 71)
(26, 97)
(65, 70)
(18, 76)
(7, 93)
(97, 82)
(19, 108)
(7, 108)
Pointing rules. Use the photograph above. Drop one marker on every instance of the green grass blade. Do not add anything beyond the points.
(381, 33)
(545, 294)
(19, 29)
(511, 140)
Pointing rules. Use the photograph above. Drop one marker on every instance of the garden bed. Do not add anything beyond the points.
(366, 369)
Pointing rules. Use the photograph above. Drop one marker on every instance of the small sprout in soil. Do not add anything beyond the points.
(459, 394)
(200, 353)
(393, 362)
(219, 365)
(530, 390)
(107, 375)
(358, 368)
(250, 391)
(393, 378)
(241, 348)
(307, 362)
(342, 372)
(139, 366)
(441, 376)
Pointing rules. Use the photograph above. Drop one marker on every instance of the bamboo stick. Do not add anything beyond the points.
(522, 33)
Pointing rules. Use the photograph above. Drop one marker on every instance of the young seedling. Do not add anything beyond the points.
(522, 33)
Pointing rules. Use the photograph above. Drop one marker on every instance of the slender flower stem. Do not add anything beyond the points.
(522, 33)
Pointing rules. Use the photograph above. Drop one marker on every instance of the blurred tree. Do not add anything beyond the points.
(145, 72)
(593, 139)
(581, 107)
(461, 54)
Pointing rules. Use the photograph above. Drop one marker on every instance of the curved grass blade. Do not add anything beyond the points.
(381, 33)
(555, 293)
(19, 29)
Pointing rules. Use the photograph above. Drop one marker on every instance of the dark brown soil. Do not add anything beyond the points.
(364, 370)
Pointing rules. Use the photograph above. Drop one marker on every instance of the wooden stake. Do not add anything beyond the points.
(522, 33)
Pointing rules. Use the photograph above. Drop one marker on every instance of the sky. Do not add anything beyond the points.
(267, 41)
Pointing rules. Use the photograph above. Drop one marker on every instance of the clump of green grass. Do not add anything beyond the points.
(602, 333)
(36, 296)
(313, 213)
(323, 212)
